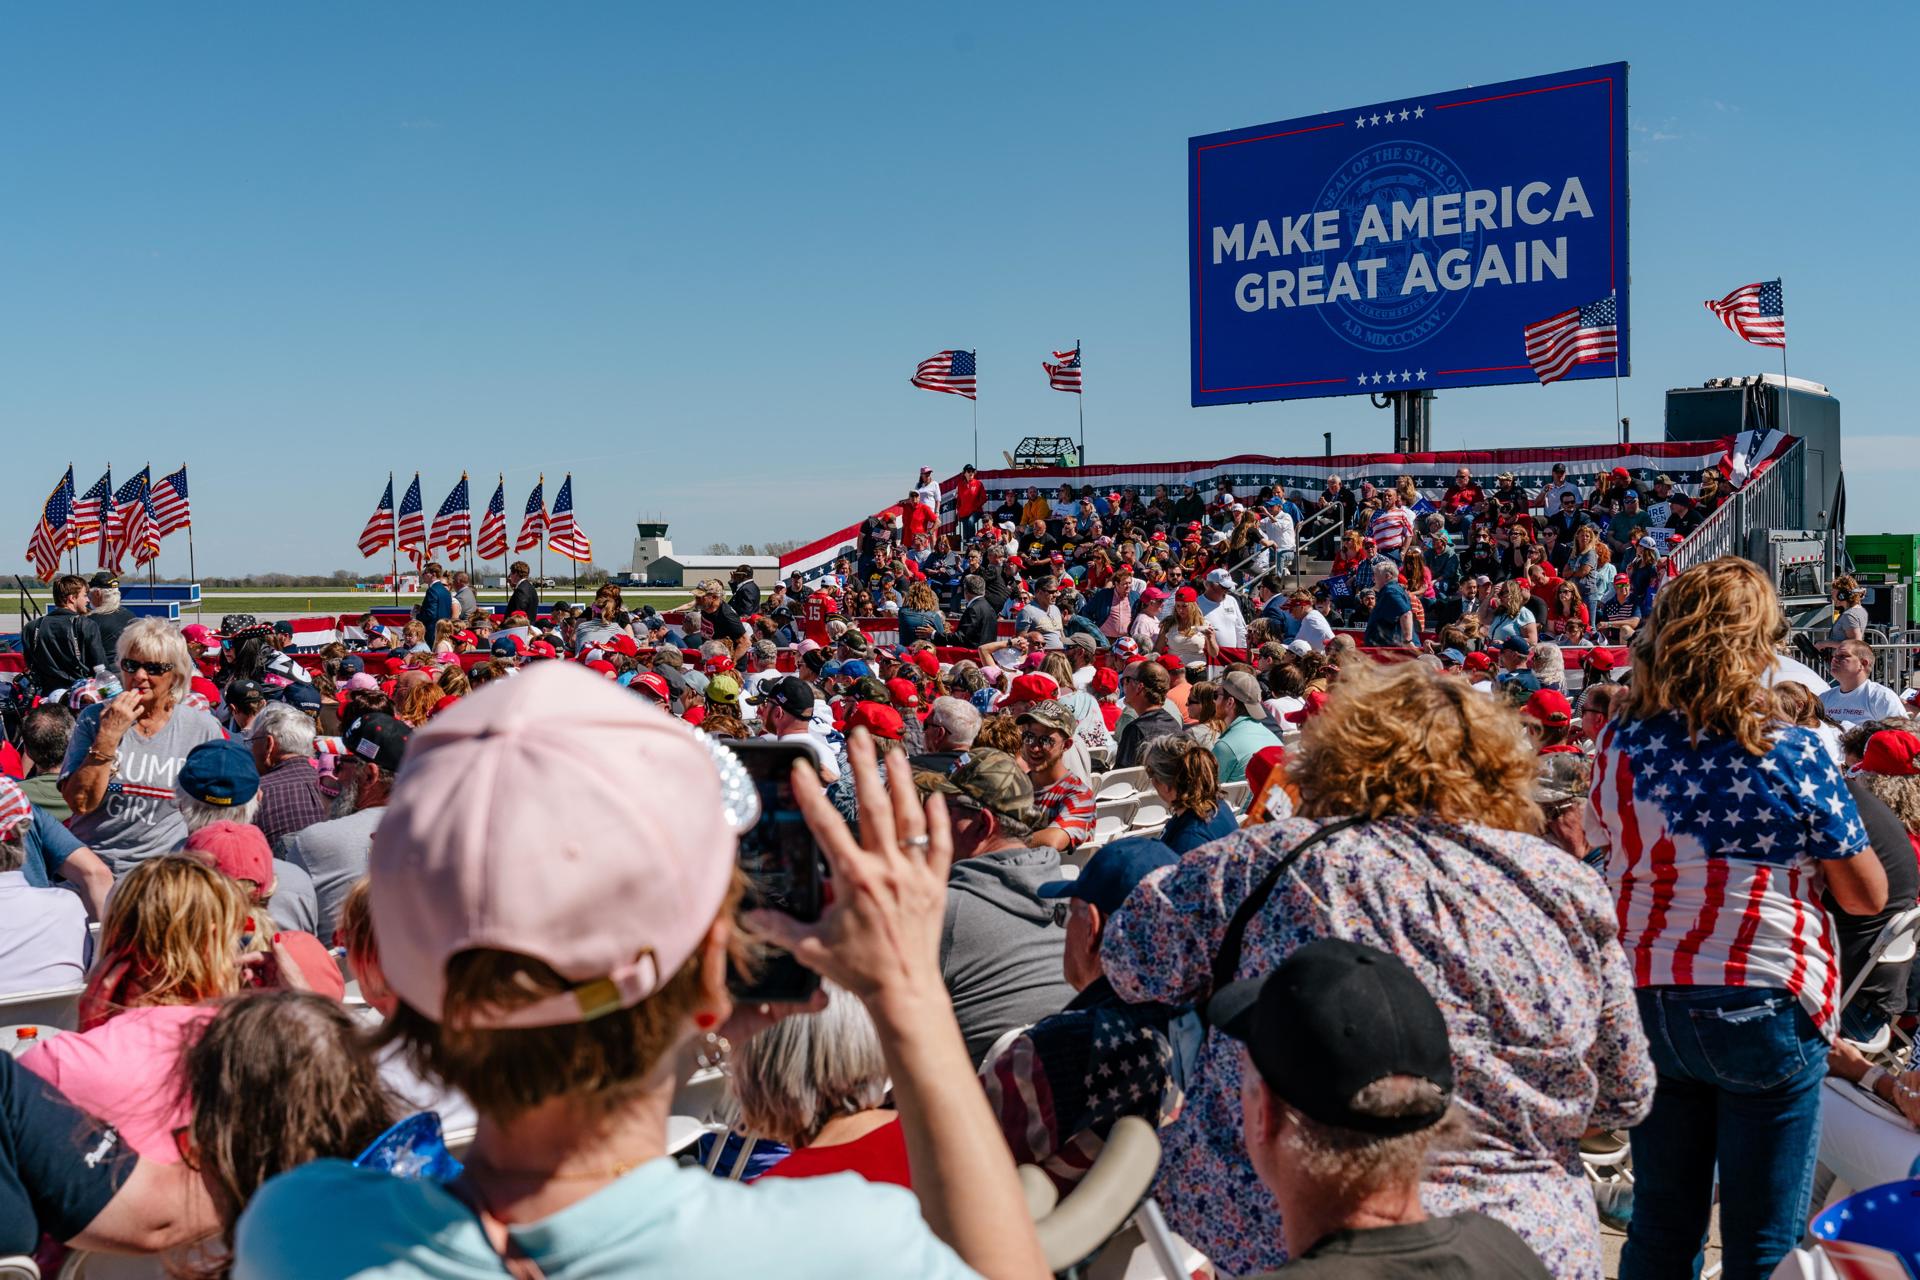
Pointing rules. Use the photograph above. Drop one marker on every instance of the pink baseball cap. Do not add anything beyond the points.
(631, 802)
(360, 680)
(238, 849)
(199, 634)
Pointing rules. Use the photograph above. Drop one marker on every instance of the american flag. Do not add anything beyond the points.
(90, 513)
(949, 371)
(453, 523)
(533, 522)
(1578, 335)
(412, 530)
(1064, 375)
(129, 526)
(1757, 312)
(493, 525)
(145, 534)
(378, 534)
(1059, 1088)
(563, 535)
(53, 534)
(1713, 852)
(170, 510)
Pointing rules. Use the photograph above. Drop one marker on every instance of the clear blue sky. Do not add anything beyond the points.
(692, 253)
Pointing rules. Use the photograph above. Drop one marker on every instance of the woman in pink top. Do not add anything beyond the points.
(171, 946)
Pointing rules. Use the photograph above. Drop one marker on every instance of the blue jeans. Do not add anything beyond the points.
(1739, 1085)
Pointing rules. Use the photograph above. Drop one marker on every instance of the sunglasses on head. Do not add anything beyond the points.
(155, 669)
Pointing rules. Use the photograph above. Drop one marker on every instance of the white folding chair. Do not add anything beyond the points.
(1108, 826)
(1104, 1200)
(1897, 944)
(19, 1267)
(1149, 814)
(59, 1007)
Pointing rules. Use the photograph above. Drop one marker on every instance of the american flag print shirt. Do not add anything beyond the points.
(1714, 853)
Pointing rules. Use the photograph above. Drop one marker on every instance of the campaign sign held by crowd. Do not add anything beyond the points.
(1407, 244)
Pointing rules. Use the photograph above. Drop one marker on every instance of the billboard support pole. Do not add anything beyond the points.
(1615, 295)
(1412, 420)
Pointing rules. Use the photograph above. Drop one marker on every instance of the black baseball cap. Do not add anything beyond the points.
(1335, 1017)
(103, 581)
(789, 693)
(244, 692)
(379, 738)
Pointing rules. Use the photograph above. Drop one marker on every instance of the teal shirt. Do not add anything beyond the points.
(329, 1221)
(1243, 740)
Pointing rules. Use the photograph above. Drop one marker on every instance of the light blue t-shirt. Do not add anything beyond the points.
(329, 1221)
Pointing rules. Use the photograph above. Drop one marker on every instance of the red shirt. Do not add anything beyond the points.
(969, 497)
(814, 613)
(880, 1156)
(916, 518)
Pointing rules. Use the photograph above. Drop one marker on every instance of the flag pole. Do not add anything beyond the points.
(193, 571)
(393, 543)
(1786, 394)
(1082, 401)
(505, 550)
(1615, 295)
(974, 400)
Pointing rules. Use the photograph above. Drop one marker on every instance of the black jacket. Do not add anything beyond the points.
(995, 575)
(63, 648)
(524, 598)
(978, 623)
(1142, 732)
(746, 598)
(108, 627)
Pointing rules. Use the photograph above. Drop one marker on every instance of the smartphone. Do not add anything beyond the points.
(784, 869)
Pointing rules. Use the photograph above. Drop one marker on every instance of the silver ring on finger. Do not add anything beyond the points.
(917, 843)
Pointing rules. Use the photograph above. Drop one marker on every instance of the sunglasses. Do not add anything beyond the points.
(1032, 739)
(1062, 910)
(154, 669)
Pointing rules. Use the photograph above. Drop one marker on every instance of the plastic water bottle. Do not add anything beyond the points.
(107, 682)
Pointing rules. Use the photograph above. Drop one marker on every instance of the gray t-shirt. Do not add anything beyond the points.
(294, 904)
(1850, 625)
(137, 819)
(335, 855)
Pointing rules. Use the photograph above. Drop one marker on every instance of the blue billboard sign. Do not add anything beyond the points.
(1407, 244)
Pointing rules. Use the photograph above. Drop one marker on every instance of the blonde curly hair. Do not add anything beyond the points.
(1401, 740)
(1713, 635)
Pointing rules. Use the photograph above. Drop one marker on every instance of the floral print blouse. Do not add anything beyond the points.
(1516, 940)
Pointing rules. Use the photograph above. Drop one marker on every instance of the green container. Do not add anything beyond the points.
(1897, 554)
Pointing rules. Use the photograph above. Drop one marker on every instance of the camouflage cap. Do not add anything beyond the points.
(994, 781)
(1055, 715)
(871, 689)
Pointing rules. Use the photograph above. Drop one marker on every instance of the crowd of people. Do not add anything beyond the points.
(1426, 912)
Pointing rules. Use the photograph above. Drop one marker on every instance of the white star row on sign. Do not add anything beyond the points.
(1390, 377)
(1379, 118)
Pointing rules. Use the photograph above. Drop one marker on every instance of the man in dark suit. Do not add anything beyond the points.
(436, 605)
(978, 622)
(746, 592)
(521, 596)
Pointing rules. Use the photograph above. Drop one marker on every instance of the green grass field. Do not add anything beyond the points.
(217, 600)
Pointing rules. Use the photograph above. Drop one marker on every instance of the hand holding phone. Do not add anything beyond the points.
(783, 867)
